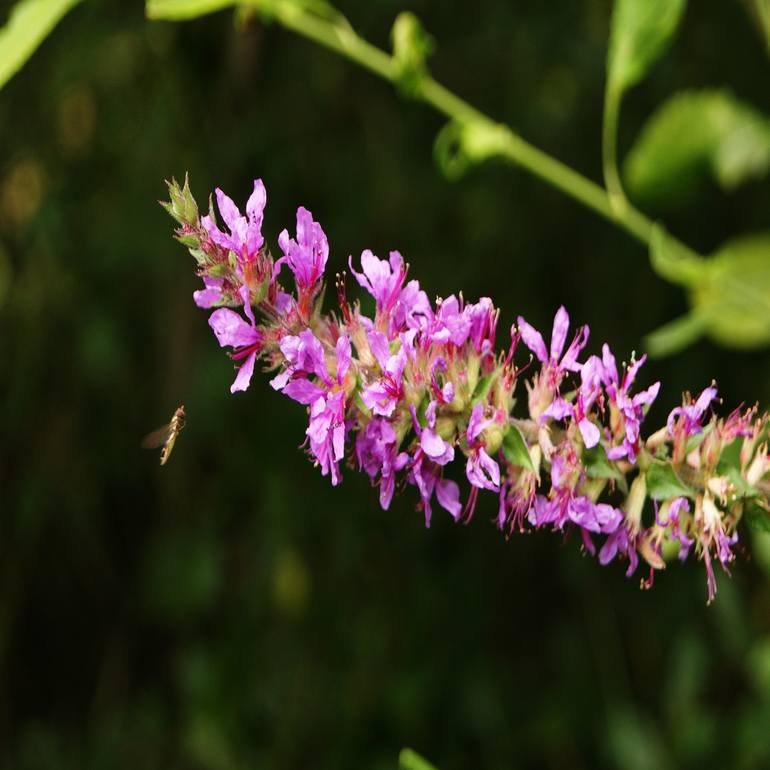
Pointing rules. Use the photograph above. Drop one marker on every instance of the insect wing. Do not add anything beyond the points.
(158, 437)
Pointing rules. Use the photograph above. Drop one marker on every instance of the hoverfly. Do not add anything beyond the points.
(166, 436)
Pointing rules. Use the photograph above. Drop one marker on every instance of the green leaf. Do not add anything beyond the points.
(733, 297)
(697, 439)
(483, 387)
(411, 760)
(29, 23)
(599, 467)
(663, 483)
(639, 33)
(757, 518)
(181, 10)
(675, 335)
(515, 449)
(694, 135)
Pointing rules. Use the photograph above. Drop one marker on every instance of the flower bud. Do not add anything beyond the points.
(759, 466)
(634, 504)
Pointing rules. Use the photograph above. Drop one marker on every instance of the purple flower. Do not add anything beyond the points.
(382, 396)
(434, 447)
(326, 433)
(483, 322)
(691, 414)
(630, 408)
(245, 237)
(450, 324)
(534, 341)
(306, 257)
(245, 338)
(383, 280)
(427, 477)
(412, 310)
(425, 471)
(579, 410)
(304, 355)
(211, 295)
(482, 471)
(377, 454)
(620, 543)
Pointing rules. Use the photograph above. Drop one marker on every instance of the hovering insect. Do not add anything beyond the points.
(166, 436)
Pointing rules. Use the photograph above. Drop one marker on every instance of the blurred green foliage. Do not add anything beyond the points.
(231, 609)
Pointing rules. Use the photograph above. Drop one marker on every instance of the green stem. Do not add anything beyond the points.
(335, 34)
(615, 192)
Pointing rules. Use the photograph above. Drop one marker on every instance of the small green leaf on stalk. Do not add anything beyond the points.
(515, 449)
(733, 296)
(182, 10)
(29, 23)
(694, 135)
(663, 483)
(411, 47)
(599, 467)
(483, 387)
(675, 335)
(640, 31)
(757, 517)
(411, 760)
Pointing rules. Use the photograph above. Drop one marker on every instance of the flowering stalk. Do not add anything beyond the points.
(404, 394)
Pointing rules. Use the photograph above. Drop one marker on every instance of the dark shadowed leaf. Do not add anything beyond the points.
(694, 135)
(757, 518)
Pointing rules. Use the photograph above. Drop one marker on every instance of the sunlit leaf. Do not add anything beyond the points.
(734, 295)
(29, 23)
(639, 34)
(663, 483)
(411, 760)
(179, 10)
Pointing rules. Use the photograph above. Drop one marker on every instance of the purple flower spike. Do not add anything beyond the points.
(245, 238)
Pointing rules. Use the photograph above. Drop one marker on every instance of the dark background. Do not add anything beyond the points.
(232, 610)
